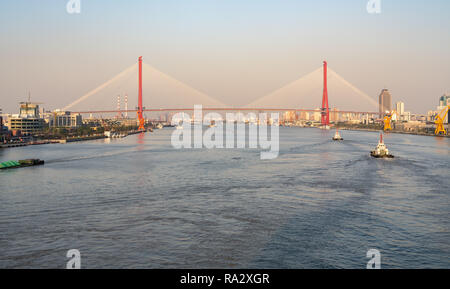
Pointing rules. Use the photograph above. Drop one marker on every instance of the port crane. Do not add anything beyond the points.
(439, 121)
(387, 120)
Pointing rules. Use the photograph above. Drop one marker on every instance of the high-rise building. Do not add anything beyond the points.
(444, 100)
(400, 108)
(385, 102)
(29, 110)
(28, 121)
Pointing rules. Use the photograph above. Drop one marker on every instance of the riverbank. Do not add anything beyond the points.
(84, 138)
(62, 140)
(393, 131)
(12, 145)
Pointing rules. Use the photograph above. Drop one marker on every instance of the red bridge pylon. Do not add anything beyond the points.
(140, 111)
(325, 107)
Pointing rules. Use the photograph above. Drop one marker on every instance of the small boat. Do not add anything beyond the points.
(381, 150)
(159, 126)
(337, 136)
(21, 164)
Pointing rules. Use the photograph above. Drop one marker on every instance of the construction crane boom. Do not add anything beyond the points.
(439, 121)
(387, 120)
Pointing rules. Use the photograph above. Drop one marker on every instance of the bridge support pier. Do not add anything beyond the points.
(325, 107)
(140, 107)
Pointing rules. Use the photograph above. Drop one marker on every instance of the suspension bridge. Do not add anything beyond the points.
(171, 95)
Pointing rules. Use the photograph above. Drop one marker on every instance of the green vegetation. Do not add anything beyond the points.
(371, 126)
(51, 133)
(64, 133)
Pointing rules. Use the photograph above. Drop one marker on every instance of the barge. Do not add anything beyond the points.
(21, 164)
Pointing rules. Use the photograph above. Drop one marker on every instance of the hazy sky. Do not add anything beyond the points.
(233, 50)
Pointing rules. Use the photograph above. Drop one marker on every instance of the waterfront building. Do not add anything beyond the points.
(406, 116)
(444, 100)
(289, 116)
(402, 114)
(28, 121)
(400, 107)
(317, 115)
(412, 126)
(65, 119)
(385, 102)
(304, 115)
(92, 122)
(3, 129)
(334, 115)
(129, 122)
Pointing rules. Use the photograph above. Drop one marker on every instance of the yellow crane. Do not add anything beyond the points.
(387, 120)
(439, 121)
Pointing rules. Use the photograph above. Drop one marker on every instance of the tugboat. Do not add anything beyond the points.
(337, 136)
(381, 150)
(21, 164)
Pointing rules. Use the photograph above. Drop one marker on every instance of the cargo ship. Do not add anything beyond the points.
(381, 150)
(21, 164)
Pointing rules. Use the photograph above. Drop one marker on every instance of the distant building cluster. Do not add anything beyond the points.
(444, 102)
(32, 120)
(3, 129)
(386, 108)
(407, 121)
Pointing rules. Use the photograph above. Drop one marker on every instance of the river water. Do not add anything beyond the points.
(138, 203)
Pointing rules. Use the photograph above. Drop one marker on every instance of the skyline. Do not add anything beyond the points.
(253, 48)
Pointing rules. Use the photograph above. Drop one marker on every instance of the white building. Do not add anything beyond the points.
(402, 114)
(65, 119)
(400, 107)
